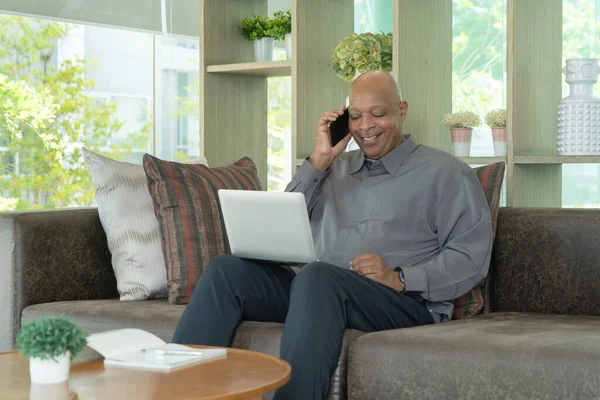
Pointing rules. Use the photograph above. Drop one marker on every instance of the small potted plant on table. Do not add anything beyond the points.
(51, 344)
(461, 127)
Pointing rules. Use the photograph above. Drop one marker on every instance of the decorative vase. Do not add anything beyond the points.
(263, 49)
(461, 141)
(52, 370)
(579, 113)
(288, 46)
(499, 137)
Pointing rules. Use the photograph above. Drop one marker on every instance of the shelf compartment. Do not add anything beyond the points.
(556, 159)
(264, 69)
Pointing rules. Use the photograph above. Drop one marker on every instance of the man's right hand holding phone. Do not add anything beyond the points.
(324, 154)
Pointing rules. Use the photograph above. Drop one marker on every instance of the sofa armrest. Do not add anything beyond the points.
(48, 256)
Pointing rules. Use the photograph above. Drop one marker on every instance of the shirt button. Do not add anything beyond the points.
(315, 180)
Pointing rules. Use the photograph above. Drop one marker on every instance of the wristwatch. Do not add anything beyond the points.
(401, 277)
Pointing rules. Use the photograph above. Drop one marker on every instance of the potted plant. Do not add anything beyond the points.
(461, 126)
(496, 119)
(359, 53)
(282, 30)
(51, 344)
(258, 30)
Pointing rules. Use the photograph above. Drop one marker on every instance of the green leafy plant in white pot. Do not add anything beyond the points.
(360, 53)
(496, 119)
(258, 30)
(51, 344)
(461, 126)
(281, 29)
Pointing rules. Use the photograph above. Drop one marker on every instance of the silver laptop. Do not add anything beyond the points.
(267, 225)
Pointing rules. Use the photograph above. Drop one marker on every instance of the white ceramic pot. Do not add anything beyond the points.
(263, 49)
(54, 370)
(53, 391)
(499, 138)
(288, 46)
(461, 141)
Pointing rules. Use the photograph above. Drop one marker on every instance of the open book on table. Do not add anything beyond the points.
(136, 348)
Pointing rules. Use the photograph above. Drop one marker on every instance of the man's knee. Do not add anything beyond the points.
(224, 265)
(317, 274)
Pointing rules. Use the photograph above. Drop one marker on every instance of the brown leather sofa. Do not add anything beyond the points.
(545, 262)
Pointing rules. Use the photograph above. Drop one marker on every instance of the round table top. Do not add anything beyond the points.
(241, 374)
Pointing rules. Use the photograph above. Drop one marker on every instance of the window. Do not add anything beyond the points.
(581, 38)
(479, 64)
(279, 129)
(119, 92)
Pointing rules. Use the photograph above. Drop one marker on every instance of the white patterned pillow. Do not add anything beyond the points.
(127, 216)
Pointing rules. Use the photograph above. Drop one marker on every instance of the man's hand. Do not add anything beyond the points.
(324, 154)
(372, 266)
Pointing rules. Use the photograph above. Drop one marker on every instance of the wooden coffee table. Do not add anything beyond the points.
(241, 375)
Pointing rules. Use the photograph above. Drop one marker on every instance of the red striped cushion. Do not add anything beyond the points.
(477, 300)
(187, 208)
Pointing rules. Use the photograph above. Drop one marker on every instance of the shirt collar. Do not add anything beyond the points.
(391, 161)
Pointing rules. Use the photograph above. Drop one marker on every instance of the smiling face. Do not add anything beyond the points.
(376, 114)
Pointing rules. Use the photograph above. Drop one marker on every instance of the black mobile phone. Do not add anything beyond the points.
(338, 129)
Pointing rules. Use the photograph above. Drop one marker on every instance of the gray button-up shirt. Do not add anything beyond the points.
(417, 207)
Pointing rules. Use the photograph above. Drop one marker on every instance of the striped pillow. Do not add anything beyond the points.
(477, 300)
(187, 208)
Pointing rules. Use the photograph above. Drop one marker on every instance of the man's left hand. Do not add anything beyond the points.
(373, 267)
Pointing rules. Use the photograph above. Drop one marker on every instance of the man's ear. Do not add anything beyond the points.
(403, 110)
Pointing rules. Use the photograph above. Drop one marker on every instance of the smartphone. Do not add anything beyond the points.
(338, 129)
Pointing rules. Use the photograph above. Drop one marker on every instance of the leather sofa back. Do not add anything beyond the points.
(547, 261)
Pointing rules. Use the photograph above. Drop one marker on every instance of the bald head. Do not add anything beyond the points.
(376, 113)
(378, 81)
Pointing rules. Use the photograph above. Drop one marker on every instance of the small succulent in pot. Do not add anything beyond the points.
(48, 338)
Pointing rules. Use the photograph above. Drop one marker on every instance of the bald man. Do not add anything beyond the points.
(402, 230)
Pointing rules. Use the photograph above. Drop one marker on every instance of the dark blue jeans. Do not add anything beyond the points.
(316, 306)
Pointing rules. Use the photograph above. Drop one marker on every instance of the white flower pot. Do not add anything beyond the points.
(499, 138)
(288, 46)
(461, 141)
(54, 391)
(263, 49)
(54, 370)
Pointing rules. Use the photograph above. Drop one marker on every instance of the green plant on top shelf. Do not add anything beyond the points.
(462, 119)
(47, 338)
(281, 24)
(256, 28)
(360, 53)
(496, 118)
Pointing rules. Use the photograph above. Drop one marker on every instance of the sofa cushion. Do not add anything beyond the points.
(547, 260)
(189, 215)
(155, 316)
(491, 356)
(127, 215)
(160, 318)
(478, 299)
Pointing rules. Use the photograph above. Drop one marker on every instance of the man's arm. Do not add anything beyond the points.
(308, 180)
(464, 228)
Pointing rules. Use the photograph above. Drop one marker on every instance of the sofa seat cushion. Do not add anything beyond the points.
(160, 318)
(492, 356)
(155, 316)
